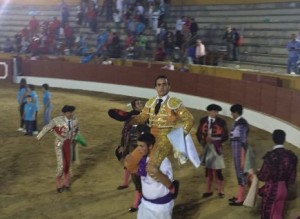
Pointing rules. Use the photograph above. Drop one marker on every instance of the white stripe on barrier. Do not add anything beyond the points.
(5, 70)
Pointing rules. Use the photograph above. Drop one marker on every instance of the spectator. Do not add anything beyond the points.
(33, 26)
(191, 56)
(194, 27)
(69, 37)
(119, 6)
(81, 47)
(169, 44)
(293, 54)
(200, 53)
(169, 66)
(65, 15)
(139, 27)
(186, 37)
(92, 18)
(232, 37)
(117, 18)
(179, 27)
(8, 46)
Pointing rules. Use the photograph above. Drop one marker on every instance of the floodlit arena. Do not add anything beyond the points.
(257, 80)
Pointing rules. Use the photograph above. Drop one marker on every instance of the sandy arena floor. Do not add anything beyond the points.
(27, 167)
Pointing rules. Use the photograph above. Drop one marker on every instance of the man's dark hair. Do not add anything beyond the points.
(278, 136)
(23, 83)
(161, 77)
(45, 86)
(237, 108)
(148, 138)
(133, 103)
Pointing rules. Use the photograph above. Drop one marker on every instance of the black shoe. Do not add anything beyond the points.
(221, 195)
(176, 186)
(59, 190)
(232, 199)
(132, 209)
(207, 194)
(235, 203)
(122, 187)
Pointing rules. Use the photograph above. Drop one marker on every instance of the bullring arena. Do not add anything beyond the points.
(27, 170)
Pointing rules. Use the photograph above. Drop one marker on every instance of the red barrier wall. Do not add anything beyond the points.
(276, 101)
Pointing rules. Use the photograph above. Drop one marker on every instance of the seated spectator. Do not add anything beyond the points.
(34, 45)
(24, 46)
(131, 26)
(139, 27)
(159, 54)
(81, 46)
(129, 41)
(18, 41)
(25, 33)
(106, 61)
(8, 46)
(169, 66)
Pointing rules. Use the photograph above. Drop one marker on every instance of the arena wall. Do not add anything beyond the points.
(267, 107)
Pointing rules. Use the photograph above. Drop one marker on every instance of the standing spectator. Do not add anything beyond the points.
(186, 38)
(236, 45)
(108, 7)
(211, 134)
(278, 171)
(232, 38)
(158, 187)
(169, 44)
(239, 145)
(92, 18)
(293, 54)
(117, 18)
(69, 37)
(21, 97)
(33, 26)
(179, 27)
(191, 56)
(47, 104)
(35, 100)
(200, 53)
(194, 27)
(64, 15)
(119, 6)
(29, 115)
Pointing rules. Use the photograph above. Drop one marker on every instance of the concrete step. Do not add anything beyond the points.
(237, 7)
(260, 58)
(201, 12)
(281, 69)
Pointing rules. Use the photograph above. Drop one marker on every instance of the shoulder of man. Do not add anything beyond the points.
(174, 103)
(242, 121)
(203, 119)
(150, 102)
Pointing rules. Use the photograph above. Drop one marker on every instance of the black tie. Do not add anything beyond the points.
(210, 123)
(157, 107)
(69, 125)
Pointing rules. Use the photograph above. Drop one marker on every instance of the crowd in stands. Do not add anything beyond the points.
(140, 21)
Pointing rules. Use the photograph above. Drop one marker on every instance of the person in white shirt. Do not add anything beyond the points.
(200, 53)
(158, 187)
(169, 66)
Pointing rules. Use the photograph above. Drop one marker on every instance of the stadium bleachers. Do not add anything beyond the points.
(265, 27)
